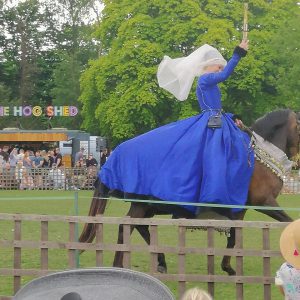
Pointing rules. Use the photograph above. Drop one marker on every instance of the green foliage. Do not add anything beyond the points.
(288, 62)
(44, 46)
(120, 94)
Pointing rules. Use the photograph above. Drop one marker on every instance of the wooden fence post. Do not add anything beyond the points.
(266, 263)
(239, 263)
(99, 241)
(153, 243)
(126, 242)
(44, 250)
(72, 252)
(17, 254)
(211, 259)
(181, 258)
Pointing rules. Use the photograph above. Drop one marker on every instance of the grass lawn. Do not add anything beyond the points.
(62, 203)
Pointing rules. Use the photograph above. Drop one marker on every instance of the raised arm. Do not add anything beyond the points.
(217, 77)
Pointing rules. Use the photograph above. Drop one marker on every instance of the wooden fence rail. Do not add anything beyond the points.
(45, 245)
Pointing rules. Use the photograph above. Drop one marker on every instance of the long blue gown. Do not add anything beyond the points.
(186, 161)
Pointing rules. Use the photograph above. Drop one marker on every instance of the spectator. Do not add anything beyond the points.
(79, 155)
(27, 162)
(58, 158)
(26, 181)
(4, 153)
(2, 165)
(57, 177)
(91, 161)
(71, 296)
(13, 157)
(37, 160)
(91, 164)
(51, 158)
(103, 156)
(5, 175)
(45, 166)
(79, 174)
(46, 159)
(19, 172)
(288, 276)
(21, 154)
(37, 163)
(196, 294)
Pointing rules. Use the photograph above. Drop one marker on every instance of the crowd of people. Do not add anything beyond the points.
(41, 169)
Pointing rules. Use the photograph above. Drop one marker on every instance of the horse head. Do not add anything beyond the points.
(296, 156)
(281, 128)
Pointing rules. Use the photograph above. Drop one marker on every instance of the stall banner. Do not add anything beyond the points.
(37, 111)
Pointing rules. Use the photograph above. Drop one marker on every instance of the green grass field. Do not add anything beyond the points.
(27, 202)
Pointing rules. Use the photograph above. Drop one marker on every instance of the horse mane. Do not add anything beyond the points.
(267, 125)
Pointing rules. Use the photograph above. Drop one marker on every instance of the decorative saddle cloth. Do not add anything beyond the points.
(271, 156)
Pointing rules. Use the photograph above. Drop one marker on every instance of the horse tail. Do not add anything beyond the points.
(97, 207)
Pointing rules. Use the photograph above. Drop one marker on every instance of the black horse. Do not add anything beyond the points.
(279, 127)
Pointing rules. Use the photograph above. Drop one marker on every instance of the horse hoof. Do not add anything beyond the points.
(162, 269)
(229, 270)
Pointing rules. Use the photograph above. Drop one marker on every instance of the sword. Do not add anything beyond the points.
(245, 25)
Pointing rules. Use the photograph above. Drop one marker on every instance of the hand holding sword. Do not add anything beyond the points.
(244, 42)
(245, 25)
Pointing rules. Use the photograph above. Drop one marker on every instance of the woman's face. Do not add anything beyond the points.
(214, 69)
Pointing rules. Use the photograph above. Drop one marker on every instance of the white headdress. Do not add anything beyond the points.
(177, 75)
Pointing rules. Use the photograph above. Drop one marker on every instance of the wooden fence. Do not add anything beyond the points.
(19, 243)
(63, 178)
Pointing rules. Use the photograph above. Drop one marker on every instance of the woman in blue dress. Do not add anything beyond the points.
(202, 159)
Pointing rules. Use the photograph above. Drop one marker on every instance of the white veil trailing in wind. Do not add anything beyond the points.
(177, 75)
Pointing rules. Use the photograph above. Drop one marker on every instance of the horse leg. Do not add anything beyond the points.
(97, 207)
(136, 210)
(279, 215)
(144, 232)
(226, 265)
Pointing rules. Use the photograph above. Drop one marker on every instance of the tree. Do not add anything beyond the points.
(75, 48)
(120, 94)
(287, 60)
(44, 46)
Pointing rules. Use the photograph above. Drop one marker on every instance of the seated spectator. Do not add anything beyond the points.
(288, 276)
(7, 177)
(71, 296)
(79, 174)
(19, 171)
(57, 177)
(69, 174)
(91, 164)
(196, 294)
(26, 181)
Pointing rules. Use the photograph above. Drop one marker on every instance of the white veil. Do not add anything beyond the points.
(177, 75)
